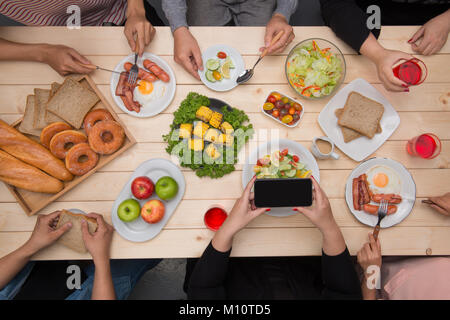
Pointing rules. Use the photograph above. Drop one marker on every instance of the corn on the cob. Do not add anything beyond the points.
(200, 129)
(196, 144)
(204, 113)
(185, 130)
(212, 135)
(216, 119)
(212, 151)
(226, 128)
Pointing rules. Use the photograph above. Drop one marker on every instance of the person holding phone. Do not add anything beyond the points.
(274, 14)
(349, 20)
(103, 279)
(217, 276)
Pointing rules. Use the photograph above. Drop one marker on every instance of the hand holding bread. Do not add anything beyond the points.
(98, 243)
(45, 232)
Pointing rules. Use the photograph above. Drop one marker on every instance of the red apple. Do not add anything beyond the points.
(153, 211)
(142, 187)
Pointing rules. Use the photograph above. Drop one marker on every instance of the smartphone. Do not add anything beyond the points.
(271, 193)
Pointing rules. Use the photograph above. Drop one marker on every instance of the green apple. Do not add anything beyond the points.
(166, 188)
(129, 210)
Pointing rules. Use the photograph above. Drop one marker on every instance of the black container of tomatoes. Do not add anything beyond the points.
(283, 109)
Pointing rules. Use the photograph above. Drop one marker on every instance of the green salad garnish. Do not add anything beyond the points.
(200, 161)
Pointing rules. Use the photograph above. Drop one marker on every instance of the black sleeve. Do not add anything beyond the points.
(340, 277)
(347, 20)
(208, 277)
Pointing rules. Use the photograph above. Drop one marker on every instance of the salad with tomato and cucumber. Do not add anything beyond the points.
(281, 164)
(313, 71)
(218, 68)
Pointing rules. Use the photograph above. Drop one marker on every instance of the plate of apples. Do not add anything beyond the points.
(148, 200)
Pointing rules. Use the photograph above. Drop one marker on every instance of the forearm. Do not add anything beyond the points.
(22, 52)
(372, 49)
(13, 263)
(103, 285)
(135, 7)
(333, 242)
(368, 294)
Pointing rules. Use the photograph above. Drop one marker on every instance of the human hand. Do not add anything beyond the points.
(319, 213)
(137, 26)
(385, 63)
(275, 25)
(99, 243)
(64, 60)
(45, 232)
(370, 254)
(242, 213)
(187, 52)
(432, 36)
(442, 204)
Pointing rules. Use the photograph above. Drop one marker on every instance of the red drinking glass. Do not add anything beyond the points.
(215, 217)
(413, 72)
(427, 146)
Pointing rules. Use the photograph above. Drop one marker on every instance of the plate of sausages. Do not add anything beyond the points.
(379, 179)
(153, 91)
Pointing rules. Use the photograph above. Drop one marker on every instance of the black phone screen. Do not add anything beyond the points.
(283, 193)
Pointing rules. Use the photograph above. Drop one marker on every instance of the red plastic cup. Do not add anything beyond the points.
(427, 146)
(413, 72)
(214, 217)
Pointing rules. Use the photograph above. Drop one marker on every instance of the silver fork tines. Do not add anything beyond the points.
(134, 71)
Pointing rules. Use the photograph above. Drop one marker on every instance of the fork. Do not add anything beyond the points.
(134, 71)
(382, 211)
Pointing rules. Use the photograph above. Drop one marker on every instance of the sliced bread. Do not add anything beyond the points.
(73, 238)
(41, 99)
(71, 102)
(26, 126)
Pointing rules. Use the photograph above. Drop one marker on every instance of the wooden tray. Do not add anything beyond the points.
(33, 202)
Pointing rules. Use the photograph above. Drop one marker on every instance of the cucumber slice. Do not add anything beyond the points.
(209, 76)
(212, 64)
(291, 173)
(284, 167)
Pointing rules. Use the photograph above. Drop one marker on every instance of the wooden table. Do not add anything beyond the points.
(425, 109)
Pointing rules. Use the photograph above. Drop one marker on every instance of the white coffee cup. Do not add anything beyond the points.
(319, 154)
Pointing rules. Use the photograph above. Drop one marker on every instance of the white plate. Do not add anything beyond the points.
(139, 230)
(360, 148)
(239, 67)
(157, 105)
(408, 193)
(263, 149)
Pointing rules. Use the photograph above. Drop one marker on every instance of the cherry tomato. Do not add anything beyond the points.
(279, 104)
(297, 107)
(287, 118)
(284, 152)
(283, 112)
(276, 95)
(271, 99)
(217, 75)
(291, 110)
(221, 55)
(276, 113)
(295, 158)
(285, 100)
(296, 117)
(268, 106)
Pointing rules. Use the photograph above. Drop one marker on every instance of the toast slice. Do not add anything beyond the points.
(71, 102)
(26, 126)
(50, 117)
(73, 238)
(361, 114)
(41, 99)
(349, 134)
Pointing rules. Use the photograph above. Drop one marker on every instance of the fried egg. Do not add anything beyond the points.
(146, 91)
(383, 179)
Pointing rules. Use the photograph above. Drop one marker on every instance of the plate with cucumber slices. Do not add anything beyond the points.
(222, 65)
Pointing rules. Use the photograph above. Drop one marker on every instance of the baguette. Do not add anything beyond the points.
(24, 176)
(31, 152)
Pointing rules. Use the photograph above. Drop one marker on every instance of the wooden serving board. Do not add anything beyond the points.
(33, 202)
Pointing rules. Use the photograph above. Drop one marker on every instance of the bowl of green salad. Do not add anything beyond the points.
(315, 68)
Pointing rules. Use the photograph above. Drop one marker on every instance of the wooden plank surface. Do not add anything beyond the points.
(425, 109)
